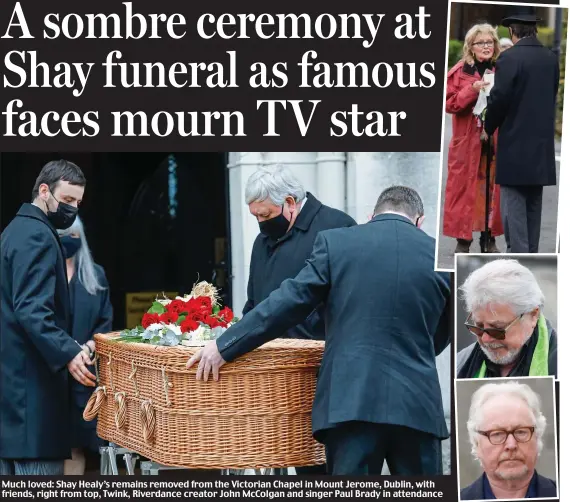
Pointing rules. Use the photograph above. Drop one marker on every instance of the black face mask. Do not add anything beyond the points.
(276, 227)
(63, 217)
(70, 245)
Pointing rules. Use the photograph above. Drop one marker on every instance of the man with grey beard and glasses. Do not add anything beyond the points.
(506, 428)
(513, 337)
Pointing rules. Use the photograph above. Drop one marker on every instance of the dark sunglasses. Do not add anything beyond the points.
(496, 333)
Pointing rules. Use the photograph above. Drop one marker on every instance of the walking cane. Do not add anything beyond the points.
(486, 239)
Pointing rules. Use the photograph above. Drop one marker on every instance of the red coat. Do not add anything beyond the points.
(464, 158)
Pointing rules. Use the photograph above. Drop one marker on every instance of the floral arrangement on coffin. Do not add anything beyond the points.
(192, 319)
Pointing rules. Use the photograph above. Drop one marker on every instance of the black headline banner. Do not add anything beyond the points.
(188, 76)
(217, 77)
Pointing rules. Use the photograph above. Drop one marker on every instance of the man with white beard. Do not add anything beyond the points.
(513, 338)
(506, 427)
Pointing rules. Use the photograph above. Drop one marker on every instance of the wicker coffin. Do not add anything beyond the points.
(257, 415)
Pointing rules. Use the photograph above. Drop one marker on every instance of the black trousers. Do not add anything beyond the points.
(521, 213)
(360, 448)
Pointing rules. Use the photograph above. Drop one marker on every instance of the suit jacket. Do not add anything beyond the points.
(35, 344)
(274, 261)
(522, 106)
(545, 487)
(387, 316)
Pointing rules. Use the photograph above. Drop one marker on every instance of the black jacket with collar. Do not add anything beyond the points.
(35, 341)
(274, 261)
(388, 314)
(522, 105)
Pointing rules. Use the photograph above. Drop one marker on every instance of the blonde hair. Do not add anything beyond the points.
(472, 34)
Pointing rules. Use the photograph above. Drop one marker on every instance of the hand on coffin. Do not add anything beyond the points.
(210, 360)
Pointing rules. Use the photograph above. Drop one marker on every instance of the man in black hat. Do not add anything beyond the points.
(522, 106)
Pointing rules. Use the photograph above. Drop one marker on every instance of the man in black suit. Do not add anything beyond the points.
(36, 349)
(522, 106)
(387, 315)
(289, 220)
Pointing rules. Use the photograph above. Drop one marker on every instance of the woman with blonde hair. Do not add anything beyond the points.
(465, 192)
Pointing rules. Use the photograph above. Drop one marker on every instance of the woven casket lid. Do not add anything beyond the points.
(282, 352)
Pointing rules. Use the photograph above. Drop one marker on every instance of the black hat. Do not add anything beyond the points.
(520, 19)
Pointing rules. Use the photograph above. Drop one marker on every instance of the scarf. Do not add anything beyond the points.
(481, 66)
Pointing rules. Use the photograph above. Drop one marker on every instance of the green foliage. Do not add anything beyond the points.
(560, 100)
(546, 36)
(157, 308)
(455, 52)
(503, 32)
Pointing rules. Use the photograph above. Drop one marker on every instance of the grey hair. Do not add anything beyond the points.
(513, 388)
(83, 261)
(504, 282)
(273, 183)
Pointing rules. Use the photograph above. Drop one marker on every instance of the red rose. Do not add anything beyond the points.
(189, 325)
(193, 305)
(226, 314)
(176, 307)
(149, 319)
(168, 318)
(214, 322)
(205, 301)
(199, 316)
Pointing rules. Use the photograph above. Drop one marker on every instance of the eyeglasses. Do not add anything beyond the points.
(484, 44)
(496, 333)
(521, 435)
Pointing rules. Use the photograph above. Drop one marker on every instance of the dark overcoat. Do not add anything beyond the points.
(522, 106)
(274, 261)
(35, 344)
(387, 315)
(92, 314)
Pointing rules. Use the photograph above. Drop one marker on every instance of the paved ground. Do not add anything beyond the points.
(549, 216)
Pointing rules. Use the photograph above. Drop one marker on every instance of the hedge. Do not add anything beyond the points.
(454, 52)
(560, 100)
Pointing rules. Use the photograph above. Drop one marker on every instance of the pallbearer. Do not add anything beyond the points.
(289, 220)
(387, 315)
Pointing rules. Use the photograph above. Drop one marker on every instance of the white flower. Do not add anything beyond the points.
(175, 328)
(184, 298)
(155, 326)
(217, 332)
(198, 334)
